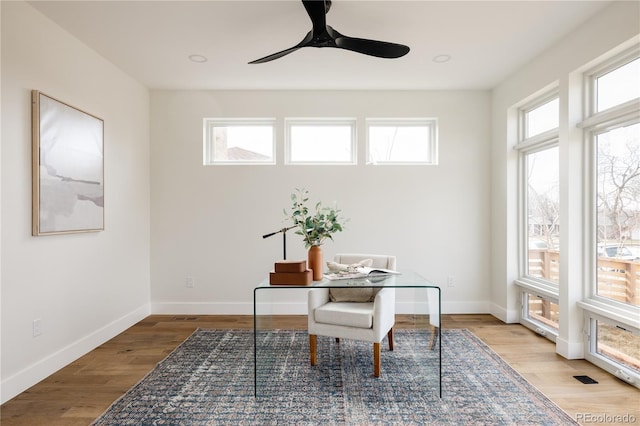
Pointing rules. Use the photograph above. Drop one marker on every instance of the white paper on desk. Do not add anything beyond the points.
(360, 272)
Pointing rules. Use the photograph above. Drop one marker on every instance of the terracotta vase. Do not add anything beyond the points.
(315, 262)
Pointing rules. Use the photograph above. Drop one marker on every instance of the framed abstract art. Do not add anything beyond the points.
(67, 167)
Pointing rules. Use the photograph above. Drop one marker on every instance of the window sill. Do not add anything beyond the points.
(539, 288)
(625, 315)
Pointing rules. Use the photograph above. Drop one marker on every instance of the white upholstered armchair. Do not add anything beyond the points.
(363, 314)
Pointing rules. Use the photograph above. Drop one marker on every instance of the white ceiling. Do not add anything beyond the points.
(152, 40)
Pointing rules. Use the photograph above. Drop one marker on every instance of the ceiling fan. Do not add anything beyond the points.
(322, 35)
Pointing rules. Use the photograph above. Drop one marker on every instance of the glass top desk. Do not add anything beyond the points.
(419, 297)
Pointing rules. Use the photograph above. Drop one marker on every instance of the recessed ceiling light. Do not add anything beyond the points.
(440, 59)
(198, 58)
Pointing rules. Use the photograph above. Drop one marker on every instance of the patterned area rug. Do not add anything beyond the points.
(208, 380)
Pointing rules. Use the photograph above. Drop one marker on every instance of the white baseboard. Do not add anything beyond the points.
(24, 379)
(465, 307)
(569, 350)
(508, 316)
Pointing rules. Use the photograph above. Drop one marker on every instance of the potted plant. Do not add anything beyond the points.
(315, 227)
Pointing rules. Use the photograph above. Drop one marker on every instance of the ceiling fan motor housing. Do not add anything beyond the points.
(323, 35)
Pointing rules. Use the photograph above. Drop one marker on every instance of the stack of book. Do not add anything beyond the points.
(290, 272)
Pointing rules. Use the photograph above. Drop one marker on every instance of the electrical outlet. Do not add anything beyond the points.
(450, 280)
(37, 327)
(190, 282)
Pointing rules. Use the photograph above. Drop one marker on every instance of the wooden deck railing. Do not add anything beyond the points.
(545, 264)
(617, 279)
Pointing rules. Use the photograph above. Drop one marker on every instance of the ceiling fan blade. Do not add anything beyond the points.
(275, 55)
(381, 49)
(282, 53)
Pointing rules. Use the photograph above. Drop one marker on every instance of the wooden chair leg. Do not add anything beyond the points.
(313, 348)
(432, 339)
(390, 337)
(376, 360)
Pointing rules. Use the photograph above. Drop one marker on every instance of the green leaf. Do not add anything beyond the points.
(313, 227)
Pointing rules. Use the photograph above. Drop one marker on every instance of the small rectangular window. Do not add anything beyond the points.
(618, 86)
(542, 312)
(320, 141)
(239, 141)
(617, 344)
(542, 118)
(402, 141)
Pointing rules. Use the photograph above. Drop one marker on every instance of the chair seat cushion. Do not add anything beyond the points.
(358, 294)
(350, 314)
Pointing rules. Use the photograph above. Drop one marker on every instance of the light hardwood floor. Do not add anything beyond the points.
(80, 392)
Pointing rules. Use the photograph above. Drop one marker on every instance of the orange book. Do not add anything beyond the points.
(291, 266)
(291, 278)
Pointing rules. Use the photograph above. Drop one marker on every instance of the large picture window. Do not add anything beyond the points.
(543, 214)
(617, 189)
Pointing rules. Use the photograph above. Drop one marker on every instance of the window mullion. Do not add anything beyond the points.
(613, 117)
(538, 142)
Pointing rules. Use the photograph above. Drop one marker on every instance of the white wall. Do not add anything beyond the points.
(84, 287)
(208, 221)
(559, 66)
